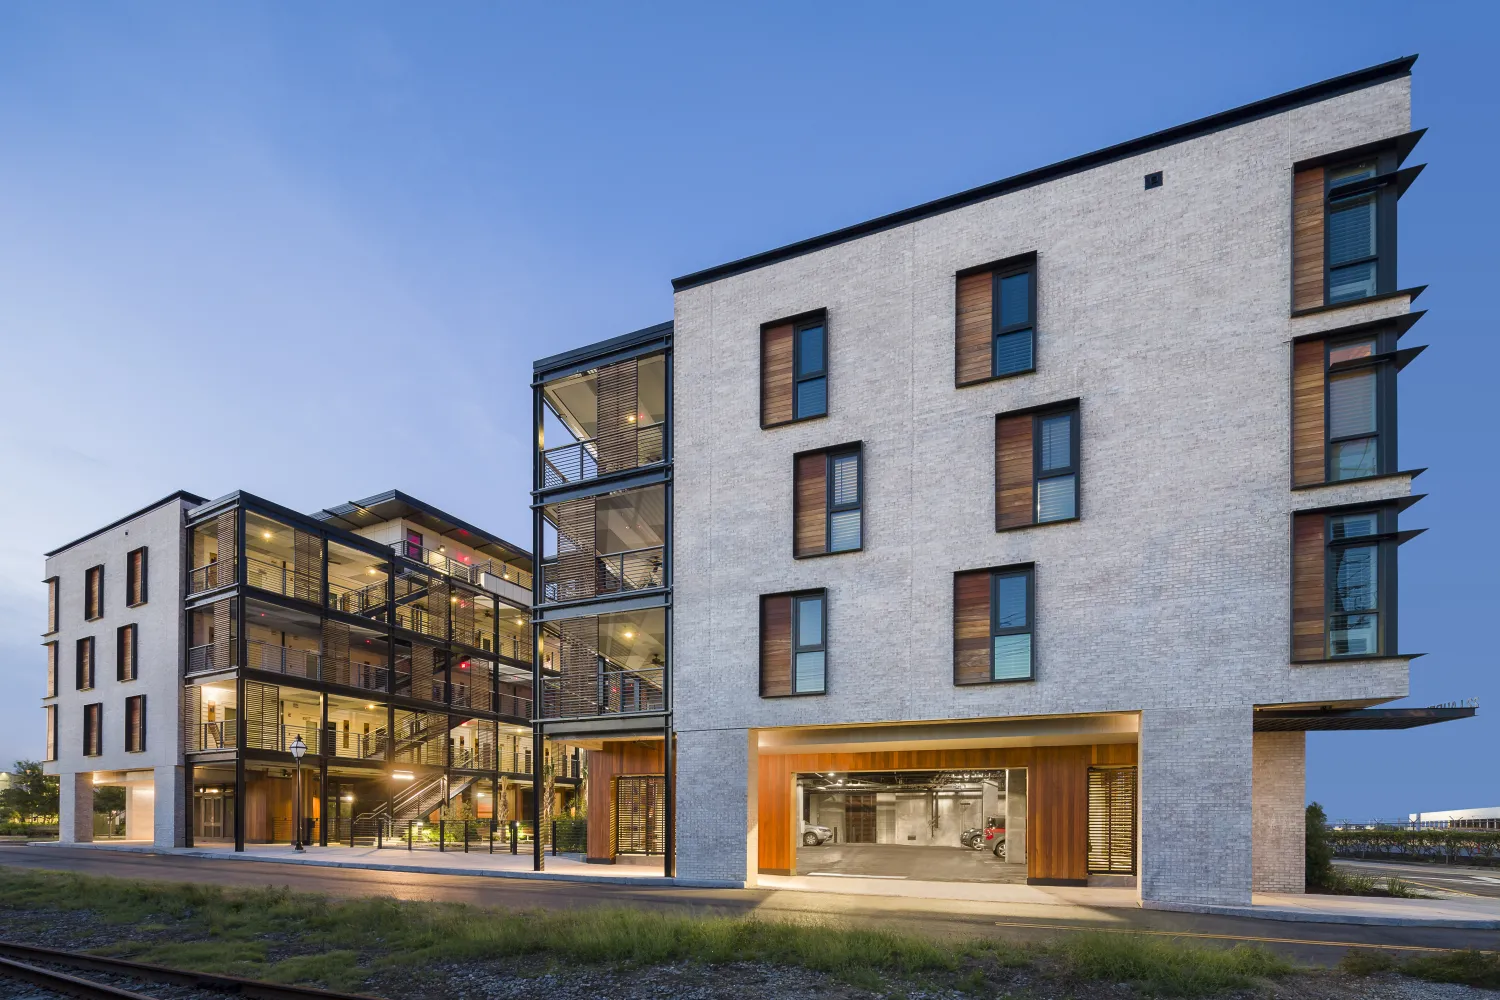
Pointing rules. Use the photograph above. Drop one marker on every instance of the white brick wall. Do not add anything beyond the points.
(715, 832)
(1279, 816)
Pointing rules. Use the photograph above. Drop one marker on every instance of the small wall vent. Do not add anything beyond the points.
(1153, 180)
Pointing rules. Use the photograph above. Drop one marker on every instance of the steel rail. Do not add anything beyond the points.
(61, 982)
(11, 953)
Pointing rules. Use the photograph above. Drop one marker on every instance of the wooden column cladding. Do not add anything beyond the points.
(971, 628)
(335, 652)
(1057, 810)
(1309, 384)
(614, 759)
(776, 375)
(574, 571)
(810, 532)
(1307, 239)
(1309, 610)
(974, 337)
(1015, 472)
(618, 404)
(775, 646)
(307, 567)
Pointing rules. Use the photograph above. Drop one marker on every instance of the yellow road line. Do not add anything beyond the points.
(1232, 937)
(1444, 888)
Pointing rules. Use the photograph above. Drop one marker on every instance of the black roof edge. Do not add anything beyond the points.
(405, 498)
(192, 500)
(613, 344)
(1357, 80)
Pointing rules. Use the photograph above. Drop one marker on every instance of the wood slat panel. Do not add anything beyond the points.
(1309, 463)
(811, 497)
(336, 652)
(776, 375)
(616, 758)
(1309, 612)
(617, 411)
(973, 340)
(1015, 473)
(1057, 814)
(574, 574)
(307, 566)
(1115, 753)
(578, 665)
(775, 646)
(1112, 821)
(1307, 239)
(225, 652)
(971, 628)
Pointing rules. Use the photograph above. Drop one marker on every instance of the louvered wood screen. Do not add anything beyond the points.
(192, 718)
(93, 725)
(439, 603)
(125, 654)
(775, 646)
(85, 664)
(93, 596)
(424, 684)
(1309, 611)
(618, 406)
(135, 577)
(51, 749)
(486, 756)
(574, 570)
(224, 530)
(1112, 823)
(135, 723)
(1015, 472)
(776, 377)
(52, 605)
(335, 652)
(811, 495)
(307, 567)
(225, 652)
(51, 670)
(971, 628)
(578, 664)
(463, 616)
(262, 712)
(1307, 239)
(974, 338)
(1309, 465)
(640, 814)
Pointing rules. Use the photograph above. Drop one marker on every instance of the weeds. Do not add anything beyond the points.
(1471, 968)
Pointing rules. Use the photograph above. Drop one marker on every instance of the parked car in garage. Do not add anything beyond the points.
(814, 835)
(995, 836)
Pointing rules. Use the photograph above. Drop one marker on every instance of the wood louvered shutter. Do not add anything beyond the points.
(776, 375)
(223, 640)
(1112, 820)
(578, 664)
(85, 664)
(192, 718)
(224, 527)
(422, 664)
(125, 653)
(574, 570)
(1309, 611)
(974, 338)
(971, 628)
(263, 717)
(51, 670)
(463, 617)
(1309, 454)
(135, 723)
(1307, 239)
(618, 406)
(135, 577)
(51, 748)
(1015, 472)
(775, 646)
(335, 652)
(52, 596)
(93, 593)
(810, 533)
(307, 567)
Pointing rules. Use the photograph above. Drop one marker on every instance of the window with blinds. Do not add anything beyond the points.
(1344, 405)
(93, 729)
(135, 724)
(1343, 583)
(51, 670)
(93, 593)
(828, 502)
(135, 577)
(794, 369)
(52, 608)
(793, 644)
(1112, 820)
(993, 625)
(1036, 467)
(84, 663)
(126, 653)
(995, 321)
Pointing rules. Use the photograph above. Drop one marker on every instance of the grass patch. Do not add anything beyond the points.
(1471, 968)
(1167, 968)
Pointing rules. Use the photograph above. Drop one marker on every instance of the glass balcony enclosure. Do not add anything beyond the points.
(604, 421)
(605, 545)
(611, 664)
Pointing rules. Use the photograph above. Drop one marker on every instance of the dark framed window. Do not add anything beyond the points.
(1354, 584)
(1010, 625)
(1036, 466)
(810, 369)
(794, 369)
(1344, 583)
(93, 593)
(126, 653)
(993, 625)
(52, 608)
(845, 488)
(135, 577)
(794, 644)
(828, 501)
(84, 663)
(1014, 347)
(1344, 404)
(413, 544)
(1057, 466)
(995, 308)
(50, 750)
(135, 723)
(51, 670)
(1356, 239)
(93, 729)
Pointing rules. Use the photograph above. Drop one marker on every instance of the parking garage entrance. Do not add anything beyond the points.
(947, 825)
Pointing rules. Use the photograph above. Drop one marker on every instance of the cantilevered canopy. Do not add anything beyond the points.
(1290, 720)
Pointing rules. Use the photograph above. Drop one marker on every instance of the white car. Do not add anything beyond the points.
(814, 835)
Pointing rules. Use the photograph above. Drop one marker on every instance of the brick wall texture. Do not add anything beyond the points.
(1278, 814)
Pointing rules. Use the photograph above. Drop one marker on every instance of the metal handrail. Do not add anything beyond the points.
(614, 573)
(614, 692)
(579, 460)
(210, 576)
(469, 572)
(202, 658)
(283, 659)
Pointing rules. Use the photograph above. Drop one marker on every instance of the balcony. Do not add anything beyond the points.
(219, 735)
(211, 576)
(208, 657)
(608, 692)
(282, 660)
(614, 573)
(367, 602)
(271, 735)
(582, 460)
(470, 571)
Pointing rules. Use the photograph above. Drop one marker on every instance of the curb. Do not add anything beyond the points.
(1316, 917)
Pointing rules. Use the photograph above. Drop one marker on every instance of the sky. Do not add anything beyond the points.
(229, 232)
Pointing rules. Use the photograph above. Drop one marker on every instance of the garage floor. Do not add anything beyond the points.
(899, 861)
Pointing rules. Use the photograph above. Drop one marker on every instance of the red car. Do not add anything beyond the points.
(995, 836)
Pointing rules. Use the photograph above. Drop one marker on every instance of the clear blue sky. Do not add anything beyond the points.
(349, 228)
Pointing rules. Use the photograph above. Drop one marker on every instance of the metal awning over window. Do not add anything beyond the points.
(1275, 720)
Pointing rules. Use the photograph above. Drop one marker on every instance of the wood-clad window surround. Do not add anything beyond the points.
(93, 593)
(84, 663)
(1344, 223)
(993, 619)
(794, 644)
(1344, 404)
(135, 577)
(828, 501)
(93, 729)
(49, 752)
(52, 606)
(127, 653)
(794, 369)
(135, 723)
(995, 321)
(1344, 583)
(51, 669)
(1036, 466)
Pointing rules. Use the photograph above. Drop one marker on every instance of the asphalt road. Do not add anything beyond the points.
(1443, 878)
(1310, 943)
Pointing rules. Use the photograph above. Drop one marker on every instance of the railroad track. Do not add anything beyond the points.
(30, 963)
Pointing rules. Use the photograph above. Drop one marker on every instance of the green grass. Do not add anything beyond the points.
(279, 935)
(1471, 968)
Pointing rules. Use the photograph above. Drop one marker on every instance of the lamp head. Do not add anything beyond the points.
(298, 748)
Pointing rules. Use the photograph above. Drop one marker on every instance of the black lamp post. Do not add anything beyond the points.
(298, 748)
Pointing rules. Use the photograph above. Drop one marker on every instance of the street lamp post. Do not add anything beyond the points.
(298, 748)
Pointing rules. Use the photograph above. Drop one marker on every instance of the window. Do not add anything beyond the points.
(93, 725)
(51, 670)
(1036, 467)
(1343, 584)
(50, 750)
(84, 663)
(135, 577)
(1354, 591)
(126, 650)
(51, 605)
(1352, 231)
(1343, 406)
(794, 370)
(135, 723)
(93, 593)
(793, 644)
(413, 544)
(828, 499)
(995, 310)
(992, 625)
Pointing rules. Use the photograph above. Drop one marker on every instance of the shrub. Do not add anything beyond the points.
(1319, 848)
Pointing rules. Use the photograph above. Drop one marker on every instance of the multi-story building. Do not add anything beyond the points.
(200, 640)
(1062, 507)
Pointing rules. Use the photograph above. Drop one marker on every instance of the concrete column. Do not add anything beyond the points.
(140, 810)
(1195, 781)
(75, 807)
(716, 806)
(170, 819)
(1279, 817)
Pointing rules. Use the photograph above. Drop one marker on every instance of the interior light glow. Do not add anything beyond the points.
(403, 775)
(370, 708)
(266, 534)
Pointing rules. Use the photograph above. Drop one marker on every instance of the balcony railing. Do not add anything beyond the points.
(580, 461)
(271, 735)
(368, 601)
(211, 576)
(282, 659)
(516, 706)
(285, 580)
(420, 620)
(369, 676)
(358, 746)
(608, 692)
(614, 573)
(218, 735)
(460, 568)
(202, 658)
